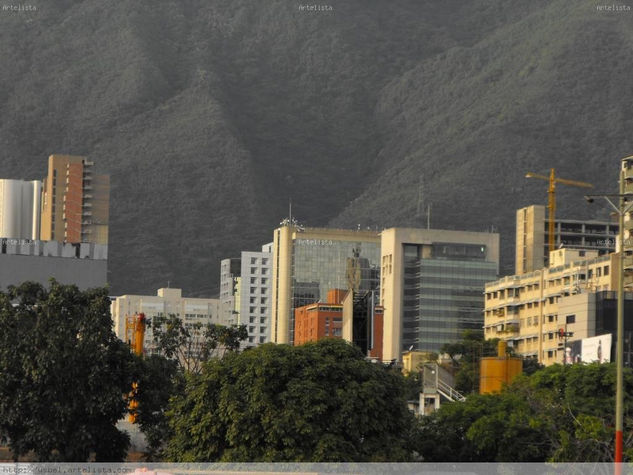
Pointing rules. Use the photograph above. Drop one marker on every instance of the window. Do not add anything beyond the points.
(253, 270)
(253, 260)
(262, 310)
(262, 339)
(264, 261)
(263, 300)
(253, 290)
(253, 280)
(264, 280)
(264, 271)
(262, 320)
(606, 270)
(251, 329)
(571, 318)
(262, 330)
(251, 320)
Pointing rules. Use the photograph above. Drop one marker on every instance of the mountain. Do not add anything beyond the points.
(211, 116)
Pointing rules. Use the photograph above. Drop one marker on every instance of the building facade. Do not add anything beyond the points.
(307, 262)
(255, 294)
(75, 201)
(432, 284)
(167, 301)
(20, 209)
(345, 314)
(532, 248)
(529, 310)
(84, 265)
(229, 290)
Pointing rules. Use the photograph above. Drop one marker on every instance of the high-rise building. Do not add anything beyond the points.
(532, 248)
(307, 262)
(229, 290)
(530, 310)
(75, 202)
(20, 209)
(167, 301)
(432, 284)
(255, 294)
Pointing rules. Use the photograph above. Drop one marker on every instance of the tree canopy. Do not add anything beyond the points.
(316, 402)
(559, 413)
(65, 374)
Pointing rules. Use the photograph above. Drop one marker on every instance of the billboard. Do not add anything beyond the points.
(589, 350)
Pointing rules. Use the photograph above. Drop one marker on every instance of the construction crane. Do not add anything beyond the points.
(134, 335)
(551, 202)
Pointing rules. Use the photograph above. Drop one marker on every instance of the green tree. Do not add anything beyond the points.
(64, 374)
(191, 344)
(179, 349)
(316, 402)
(465, 356)
(559, 413)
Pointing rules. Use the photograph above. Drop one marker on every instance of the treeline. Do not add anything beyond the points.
(66, 381)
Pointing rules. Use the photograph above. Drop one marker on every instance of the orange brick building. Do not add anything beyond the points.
(327, 320)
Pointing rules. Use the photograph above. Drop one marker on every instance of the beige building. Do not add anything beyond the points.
(432, 284)
(531, 249)
(167, 301)
(75, 202)
(307, 262)
(529, 310)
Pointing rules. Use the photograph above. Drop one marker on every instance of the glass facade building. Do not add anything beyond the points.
(309, 262)
(319, 265)
(432, 286)
(442, 293)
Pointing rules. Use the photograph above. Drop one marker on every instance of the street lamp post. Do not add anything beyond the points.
(621, 209)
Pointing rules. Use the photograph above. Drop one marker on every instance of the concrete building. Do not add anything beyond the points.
(20, 209)
(229, 287)
(84, 265)
(255, 294)
(167, 301)
(307, 262)
(529, 310)
(75, 202)
(432, 284)
(531, 252)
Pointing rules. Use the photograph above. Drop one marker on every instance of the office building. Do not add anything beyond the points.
(307, 262)
(84, 265)
(167, 301)
(432, 284)
(532, 248)
(529, 310)
(20, 209)
(75, 201)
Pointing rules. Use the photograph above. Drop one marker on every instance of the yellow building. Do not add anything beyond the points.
(531, 250)
(526, 309)
(307, 262)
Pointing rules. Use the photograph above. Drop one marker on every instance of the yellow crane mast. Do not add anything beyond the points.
(134, 335)
(551, 202)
